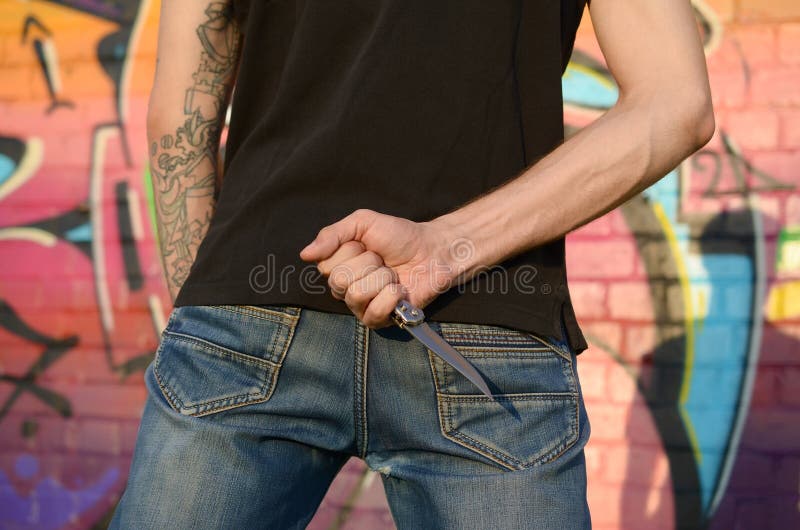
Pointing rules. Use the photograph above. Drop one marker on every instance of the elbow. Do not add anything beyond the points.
(704, 124)
(698, 112)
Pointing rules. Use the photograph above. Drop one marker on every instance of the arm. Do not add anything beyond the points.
(198, 52)
(663, 114)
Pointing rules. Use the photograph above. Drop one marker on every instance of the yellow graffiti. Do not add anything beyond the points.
(688, 323)
(784, 301)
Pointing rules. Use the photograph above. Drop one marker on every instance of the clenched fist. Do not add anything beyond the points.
(373, 260)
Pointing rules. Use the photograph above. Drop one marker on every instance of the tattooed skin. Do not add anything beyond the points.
(184, 163)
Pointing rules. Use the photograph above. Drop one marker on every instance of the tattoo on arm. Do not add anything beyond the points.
(184, 163)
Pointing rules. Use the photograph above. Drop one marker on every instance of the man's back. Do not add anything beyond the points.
(410, 108)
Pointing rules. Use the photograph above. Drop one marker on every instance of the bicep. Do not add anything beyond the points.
(651, 46)
(198, 52)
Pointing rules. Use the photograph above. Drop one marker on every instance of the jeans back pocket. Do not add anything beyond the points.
(214, 358)
(533, 416)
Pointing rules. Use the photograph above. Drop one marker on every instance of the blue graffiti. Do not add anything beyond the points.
(50, 504)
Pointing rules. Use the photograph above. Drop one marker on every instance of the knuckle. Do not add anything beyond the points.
(363, 212)
(373, 260)
(340, 278)
(353, 244)
(372, 320)
(356, 293)
(324, 268)
(391, 274)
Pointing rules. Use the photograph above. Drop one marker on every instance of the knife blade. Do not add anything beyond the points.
(412, 319)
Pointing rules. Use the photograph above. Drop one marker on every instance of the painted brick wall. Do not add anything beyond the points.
(689, 294)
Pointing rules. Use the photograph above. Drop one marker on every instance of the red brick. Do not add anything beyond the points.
(772, 10)
(789, 43)
(758, 469)
(630, 300)
(728, 88)
(600, 259)
(28, 403)
(623, 506)
(772, 430)
(789, 378)
(128, 433)
(17, 355)
(753, 128)
(724, 10)
(594, 452)
(640, 340)
(604, 503)
(757, 44)
(608, 420)
(787, 471)
(70, 368)
(726, 57)
(22, 293)
(11, 437)
(776, 86)
(640, 427)
(781, 345)
(324, 517)
(99, 436)
(56, 434)
(780, 165)
(588, 299)
(766, 388)
(372, 496)
(608, 333)
(790, 128)
(592, 373)
(104, 401)
(792, 210)
(621, 385)
(599, 227)
(631, 465)
(361, 519)
(751, 513)
(619, 225)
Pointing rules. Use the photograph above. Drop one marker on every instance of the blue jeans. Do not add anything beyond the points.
(252, 411)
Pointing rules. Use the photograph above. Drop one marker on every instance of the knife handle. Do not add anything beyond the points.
(406, 314)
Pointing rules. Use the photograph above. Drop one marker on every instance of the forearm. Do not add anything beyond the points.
(617, 156)
(184, 199)
(198, 51)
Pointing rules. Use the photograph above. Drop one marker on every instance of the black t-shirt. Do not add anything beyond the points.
(406, 107)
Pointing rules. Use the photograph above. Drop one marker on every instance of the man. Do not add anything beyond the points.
(379, 151)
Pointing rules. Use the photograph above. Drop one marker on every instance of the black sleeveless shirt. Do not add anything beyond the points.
(406, 107)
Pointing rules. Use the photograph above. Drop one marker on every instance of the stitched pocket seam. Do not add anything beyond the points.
(262, 313)
(271, 371)
(214, 348)
(443, 401)
(541, 345)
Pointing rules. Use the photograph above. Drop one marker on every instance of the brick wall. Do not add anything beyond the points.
(701, 272)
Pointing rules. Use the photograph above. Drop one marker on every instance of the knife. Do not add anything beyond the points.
(412, 319)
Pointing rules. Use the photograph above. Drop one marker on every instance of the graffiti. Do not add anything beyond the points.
(706, 270)
(691, 379)
(742, 170)
(48, 60)
(82, 298)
